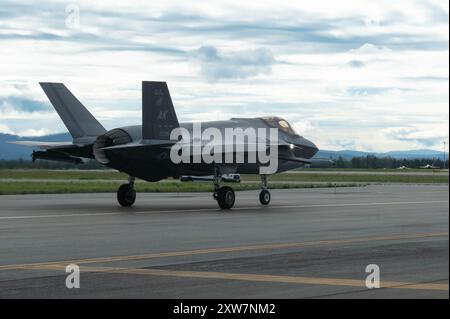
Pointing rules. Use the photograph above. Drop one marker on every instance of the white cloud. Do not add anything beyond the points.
(368, 48)
(216, 65)
(34, 132)
(353, 73)
(5, 129)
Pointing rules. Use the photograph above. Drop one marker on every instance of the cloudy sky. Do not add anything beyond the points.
(365, 75)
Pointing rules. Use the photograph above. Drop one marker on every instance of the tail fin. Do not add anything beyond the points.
(158, 113)
(81, 124)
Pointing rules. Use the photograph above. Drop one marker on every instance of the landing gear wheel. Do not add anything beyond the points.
(264, 197)
(126, 195)
(225, 197)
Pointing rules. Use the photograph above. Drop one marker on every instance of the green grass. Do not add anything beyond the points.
(364, 178)
(92, 175)
(89, 181)
(61, 174)
(17, 187)
(388, 170)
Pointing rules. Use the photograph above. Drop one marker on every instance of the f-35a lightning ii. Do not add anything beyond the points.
(144, 151)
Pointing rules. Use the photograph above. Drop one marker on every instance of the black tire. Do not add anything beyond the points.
(126, 195)
(264, 197)
(225, 197)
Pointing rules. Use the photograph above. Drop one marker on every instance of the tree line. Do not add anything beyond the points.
(375, 162)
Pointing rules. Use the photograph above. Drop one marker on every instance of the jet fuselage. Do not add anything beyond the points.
(154, 164)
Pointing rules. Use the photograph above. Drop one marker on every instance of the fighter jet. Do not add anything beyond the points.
(429, 166)
(144, 151)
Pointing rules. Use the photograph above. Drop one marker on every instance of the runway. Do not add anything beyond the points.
(309, 243)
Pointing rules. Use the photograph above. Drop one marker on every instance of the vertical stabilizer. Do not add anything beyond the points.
(158, 114)
(81, 124)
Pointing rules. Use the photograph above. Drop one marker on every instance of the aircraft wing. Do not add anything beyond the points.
(130, 146)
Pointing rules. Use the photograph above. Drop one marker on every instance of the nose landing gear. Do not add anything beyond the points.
(126, 194)
(264, 195)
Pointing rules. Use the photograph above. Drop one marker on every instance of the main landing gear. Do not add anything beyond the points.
(225, 195)
(126, 194)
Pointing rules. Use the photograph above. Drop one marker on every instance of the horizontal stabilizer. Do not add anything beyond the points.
(44, 145)
(52, 155)
(66, 148)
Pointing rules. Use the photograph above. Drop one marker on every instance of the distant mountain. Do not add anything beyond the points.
(346, 154)
(11, 151)
(417, 154)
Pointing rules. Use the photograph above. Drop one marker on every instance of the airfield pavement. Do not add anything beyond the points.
(309, 243)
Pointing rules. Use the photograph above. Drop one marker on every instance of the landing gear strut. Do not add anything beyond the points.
(224, 195)
(264, 195)
(126, 194)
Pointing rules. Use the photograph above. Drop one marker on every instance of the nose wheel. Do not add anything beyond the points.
(126, 194)
(264, 195)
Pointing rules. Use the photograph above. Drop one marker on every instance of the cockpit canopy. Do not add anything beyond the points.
(281, 124)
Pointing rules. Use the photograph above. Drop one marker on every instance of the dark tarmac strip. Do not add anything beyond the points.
(309, 243)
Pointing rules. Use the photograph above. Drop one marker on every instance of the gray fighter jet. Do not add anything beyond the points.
(143, 151)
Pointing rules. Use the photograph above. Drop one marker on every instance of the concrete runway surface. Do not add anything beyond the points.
(309, 243)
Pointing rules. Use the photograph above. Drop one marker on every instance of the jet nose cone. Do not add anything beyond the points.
(311, 147)
(306, 148)
(309, 144)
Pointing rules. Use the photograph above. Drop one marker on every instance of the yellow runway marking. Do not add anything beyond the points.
(60, 266)
(252, 277)
(229, 250)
